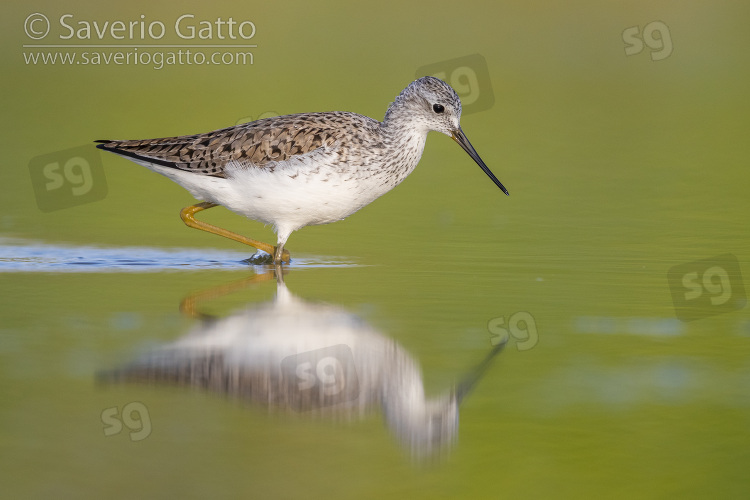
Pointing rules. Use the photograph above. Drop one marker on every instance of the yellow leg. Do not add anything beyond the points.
(189, 305)
(187, 214)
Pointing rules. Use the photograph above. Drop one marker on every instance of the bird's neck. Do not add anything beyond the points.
(403, 146)
(404, 136)
(401, 117)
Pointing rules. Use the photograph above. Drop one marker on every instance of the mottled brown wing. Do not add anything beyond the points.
(256, 143)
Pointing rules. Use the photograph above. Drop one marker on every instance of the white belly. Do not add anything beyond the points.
(314, 188)
(287, 201)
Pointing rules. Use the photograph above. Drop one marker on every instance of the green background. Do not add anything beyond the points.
(619, 168)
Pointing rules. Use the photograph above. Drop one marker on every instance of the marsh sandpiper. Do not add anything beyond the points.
(298, 170)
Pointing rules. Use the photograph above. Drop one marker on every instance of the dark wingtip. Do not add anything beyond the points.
(129, 154)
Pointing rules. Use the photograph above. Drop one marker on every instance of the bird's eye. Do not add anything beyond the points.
(438, 108)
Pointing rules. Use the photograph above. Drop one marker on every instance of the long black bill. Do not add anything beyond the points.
(461, 139)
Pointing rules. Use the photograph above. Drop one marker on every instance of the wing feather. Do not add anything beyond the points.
(257, 144)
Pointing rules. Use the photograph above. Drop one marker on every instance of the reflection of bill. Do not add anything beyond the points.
(521, 327)
(318, 359)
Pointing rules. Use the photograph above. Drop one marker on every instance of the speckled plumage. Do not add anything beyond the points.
(312, 168)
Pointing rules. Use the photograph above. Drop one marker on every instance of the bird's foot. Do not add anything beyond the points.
(259, 258)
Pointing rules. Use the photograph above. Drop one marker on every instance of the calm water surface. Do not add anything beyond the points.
(143, 359)
(169, 361)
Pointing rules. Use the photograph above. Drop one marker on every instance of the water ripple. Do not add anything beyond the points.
(29, 256)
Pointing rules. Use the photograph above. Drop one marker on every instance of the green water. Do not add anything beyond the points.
(619, 168)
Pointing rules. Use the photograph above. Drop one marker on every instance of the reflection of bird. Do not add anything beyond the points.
(298, 170)
(294, 355)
